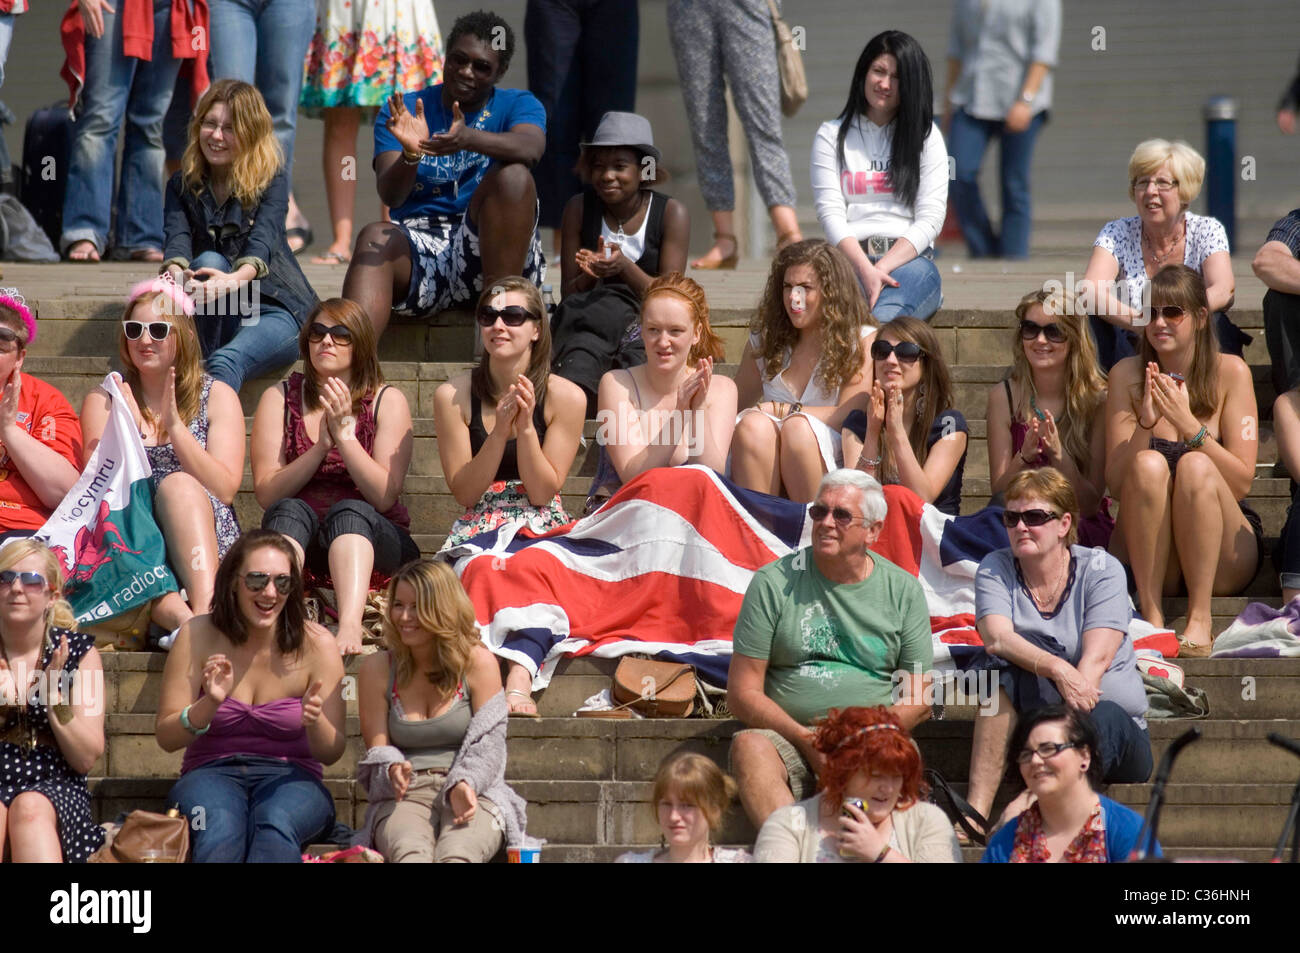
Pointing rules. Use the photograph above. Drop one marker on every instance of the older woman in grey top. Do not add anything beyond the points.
(433, 715)
(1054, 618)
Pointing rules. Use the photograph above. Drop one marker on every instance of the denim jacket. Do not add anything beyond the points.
(194, 224)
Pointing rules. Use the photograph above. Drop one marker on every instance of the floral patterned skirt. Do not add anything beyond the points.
(365, 50)
(506, 502)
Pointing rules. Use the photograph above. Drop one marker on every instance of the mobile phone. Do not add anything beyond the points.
(1179, 377)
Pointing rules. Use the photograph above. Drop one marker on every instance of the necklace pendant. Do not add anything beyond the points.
(621, 237)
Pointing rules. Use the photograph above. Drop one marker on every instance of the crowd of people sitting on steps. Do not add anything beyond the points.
(1118, 451)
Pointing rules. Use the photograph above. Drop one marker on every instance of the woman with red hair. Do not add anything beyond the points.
(869, 805)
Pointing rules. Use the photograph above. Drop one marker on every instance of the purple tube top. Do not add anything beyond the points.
(270, 730)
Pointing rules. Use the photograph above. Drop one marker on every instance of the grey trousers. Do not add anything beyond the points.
(732, 38)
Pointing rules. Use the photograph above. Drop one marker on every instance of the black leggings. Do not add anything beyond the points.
(295, 519)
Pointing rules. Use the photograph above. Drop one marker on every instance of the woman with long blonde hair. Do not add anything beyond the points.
(226, 242)
(805, 368)
(911, 435)
(433, 717)
(51, 713)
(193, 432)
(1047, 411)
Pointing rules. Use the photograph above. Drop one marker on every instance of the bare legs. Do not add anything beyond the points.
(989, 753)
(761, 776)
(352, 558)
(32, 828)
(765, 458)
(519, 679)
(784, 221)
(341, 125)
(380, 272)
(184, 513)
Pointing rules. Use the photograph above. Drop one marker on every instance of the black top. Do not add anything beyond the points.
(592, 211)
(948, 422)
(508, 469)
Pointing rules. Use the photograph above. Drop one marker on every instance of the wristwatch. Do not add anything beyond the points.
(1027, 98)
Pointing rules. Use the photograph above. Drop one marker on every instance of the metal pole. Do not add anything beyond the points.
(1221, 163)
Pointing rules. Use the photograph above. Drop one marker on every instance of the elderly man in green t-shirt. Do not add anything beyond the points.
(825, 627)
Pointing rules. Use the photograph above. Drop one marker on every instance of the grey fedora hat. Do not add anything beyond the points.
(625, 129)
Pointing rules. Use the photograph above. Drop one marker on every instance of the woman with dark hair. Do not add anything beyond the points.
(331, 447)
(880, 173)
(1047, 411)
(1068, 821)
(806, 366)
(1182, 437)
(869, 805)
(1054, 618)
(911, 435)
(618, 236)
(252, 692)
(512, 472)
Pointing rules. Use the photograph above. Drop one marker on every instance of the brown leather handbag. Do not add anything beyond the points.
(147, 838)
(655, 689)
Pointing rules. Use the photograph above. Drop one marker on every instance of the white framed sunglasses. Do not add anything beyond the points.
(158, 330)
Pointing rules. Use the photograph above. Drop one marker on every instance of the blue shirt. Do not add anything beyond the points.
(1122, 828)
(444, 184)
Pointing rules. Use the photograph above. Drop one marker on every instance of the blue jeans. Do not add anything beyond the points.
(118, 85)
(919, 292)
(968, 140)
(1125, 748)
(240, 344)
(6, 35)
(264, 42)
(254, 810)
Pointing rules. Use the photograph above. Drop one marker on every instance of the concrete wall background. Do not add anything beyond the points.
(1161, 61)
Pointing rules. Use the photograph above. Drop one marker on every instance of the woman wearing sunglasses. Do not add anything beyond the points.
(1054, 618)
(433, 716)
(252, 693)
(51, 729)
(331, 447)
(910, 435)
(193, 432)
(1182, 437)
(1163, 179)
(225, 237)
(1057, 752)
(806, 366)
(1047, 412)
(508, 430)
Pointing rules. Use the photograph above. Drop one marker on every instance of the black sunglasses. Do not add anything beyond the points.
(9, 338)
(905, 351)
(338, 334)
(30, 580)
(841, 516)
(158, 330)
(1031, 517)
(1029, 331)
(513, 315)
(256, 581)
(1170, 312)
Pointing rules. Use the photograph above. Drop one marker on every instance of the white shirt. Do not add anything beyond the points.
(1122, 237)
(857, 201)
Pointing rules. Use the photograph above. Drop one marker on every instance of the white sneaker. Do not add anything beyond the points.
(167, 641)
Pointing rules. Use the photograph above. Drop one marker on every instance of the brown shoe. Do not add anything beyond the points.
(1194, 649)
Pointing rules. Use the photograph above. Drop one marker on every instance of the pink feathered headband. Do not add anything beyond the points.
(163, 285)
(10, 298)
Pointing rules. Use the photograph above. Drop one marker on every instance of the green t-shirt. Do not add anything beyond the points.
(832, 645)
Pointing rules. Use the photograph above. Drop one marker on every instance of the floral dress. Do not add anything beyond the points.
(365, 50)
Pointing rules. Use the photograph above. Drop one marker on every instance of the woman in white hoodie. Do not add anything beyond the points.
(880, 174)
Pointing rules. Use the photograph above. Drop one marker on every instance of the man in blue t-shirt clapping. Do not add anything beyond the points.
(453, 162)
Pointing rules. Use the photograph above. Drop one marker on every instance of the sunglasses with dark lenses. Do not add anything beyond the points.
(1046, 751)
(338, 334)
(10, 339)
(1170, 312)
(158, 330)
(513, 315)
(256, 581)
(841, 516)
(905, 351)
(1031, 517)
(1029, 331)
(30, 580)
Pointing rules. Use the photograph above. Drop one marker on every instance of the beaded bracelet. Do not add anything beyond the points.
(185, 722)
(1198, 441)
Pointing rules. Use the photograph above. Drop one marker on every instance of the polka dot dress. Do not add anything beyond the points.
(45, 770)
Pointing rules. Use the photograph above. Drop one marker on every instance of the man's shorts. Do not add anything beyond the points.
(803, 783)
(446, 267)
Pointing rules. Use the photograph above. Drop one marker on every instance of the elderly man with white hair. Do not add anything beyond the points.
(825, 627)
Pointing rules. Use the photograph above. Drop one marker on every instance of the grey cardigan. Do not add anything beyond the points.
(481, 761)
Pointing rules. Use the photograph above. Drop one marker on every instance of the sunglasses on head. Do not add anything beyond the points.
(338, 334)
(841, 516)
(1010, 518)
(1170, 312)
(158, 330)
(256, 581)
(905, 351)
(513, 315)
(1029, 331)
(10, 339)
(30, 580)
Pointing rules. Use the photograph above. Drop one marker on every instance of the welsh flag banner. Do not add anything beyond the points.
(113, 555)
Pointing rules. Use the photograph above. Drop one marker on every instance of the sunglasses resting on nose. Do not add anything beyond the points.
(30, 580)
(256, 581)
(905, 351)
(338, 334)
(158, 330)
(1010, 518)
(1029, 331)
(513, 315)
(841, 516)
(1170, 312)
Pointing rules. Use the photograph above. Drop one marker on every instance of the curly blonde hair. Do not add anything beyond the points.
(843, 314)
(444, 609)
